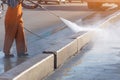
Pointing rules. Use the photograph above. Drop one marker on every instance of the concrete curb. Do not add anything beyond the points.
(63, 51)
(68, 48)
(35, 68)
(113, 18)
(84, 39)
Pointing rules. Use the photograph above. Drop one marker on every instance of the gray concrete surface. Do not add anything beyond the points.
(42, 64)
(98, 60)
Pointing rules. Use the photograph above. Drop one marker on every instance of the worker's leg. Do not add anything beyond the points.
(10, 32)
(20, 40)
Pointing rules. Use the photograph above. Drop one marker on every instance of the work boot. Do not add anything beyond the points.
(9, 55)
(22, 55)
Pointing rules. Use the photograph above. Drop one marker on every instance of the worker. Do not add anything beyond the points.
(14, 29)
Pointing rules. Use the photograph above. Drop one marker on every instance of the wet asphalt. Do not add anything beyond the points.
(98, 60)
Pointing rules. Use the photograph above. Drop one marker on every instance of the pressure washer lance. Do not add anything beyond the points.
(44, 8)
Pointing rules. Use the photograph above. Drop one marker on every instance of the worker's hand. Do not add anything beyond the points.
(4, 1)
